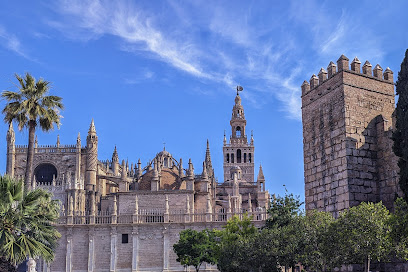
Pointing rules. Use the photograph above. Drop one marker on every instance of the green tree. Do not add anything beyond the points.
(399, 229)
(400, 134)
(30, 107)
(26, 222)
(319, 242)
(363, 234)
(283, 210)
(233, 250)
(195, 248)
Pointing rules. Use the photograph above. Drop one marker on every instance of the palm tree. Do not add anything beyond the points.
(29, 107)
(26, 222)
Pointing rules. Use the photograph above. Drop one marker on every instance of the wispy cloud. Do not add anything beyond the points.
(123, 21)
(224, 45)
(12, 43)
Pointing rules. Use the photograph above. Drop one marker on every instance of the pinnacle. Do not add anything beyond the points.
(261, 174)
(92, 127)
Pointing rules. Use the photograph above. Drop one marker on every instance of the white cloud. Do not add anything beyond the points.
(12, 43)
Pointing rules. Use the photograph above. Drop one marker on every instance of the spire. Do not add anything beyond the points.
(124, 173)
(190, 169)
(79, 140)
(261, 176)
(204, 175)
(58, 141)
(92, 129)
(208, 162)
(155, 172)
(115, 156)
(225, 138)
(181, 174)
(139, 169)
(252, 137)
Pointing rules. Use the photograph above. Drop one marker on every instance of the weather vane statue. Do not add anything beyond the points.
(239, 89)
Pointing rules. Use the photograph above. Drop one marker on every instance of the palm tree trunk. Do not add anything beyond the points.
(30, 155)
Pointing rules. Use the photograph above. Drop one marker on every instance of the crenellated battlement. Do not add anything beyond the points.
(344, 66)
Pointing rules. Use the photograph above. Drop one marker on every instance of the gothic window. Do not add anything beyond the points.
(165, 162)
(239, 156)
(45, 172)
(245, 157)
(249, 157)
(238, 132)
(227, 158)
(232, 158)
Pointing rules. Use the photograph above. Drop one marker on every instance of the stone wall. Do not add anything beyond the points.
(347, 123)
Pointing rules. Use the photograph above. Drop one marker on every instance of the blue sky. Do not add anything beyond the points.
(150, 72)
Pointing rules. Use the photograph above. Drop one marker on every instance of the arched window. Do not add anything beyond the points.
(238, 132)
(227, 158)
(165, 162)
(249, 157)
(244, 157)
(232, 158)
(45, 172)
(239, 156)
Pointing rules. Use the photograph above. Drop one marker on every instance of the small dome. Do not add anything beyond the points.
(164, 153)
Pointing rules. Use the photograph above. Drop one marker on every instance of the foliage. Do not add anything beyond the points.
(29, 107)
(234, 239)
(399, 229)
(319, 242)
(26, 220)
(400, 133)
(363, 234)
(283, 210)
(195, 247)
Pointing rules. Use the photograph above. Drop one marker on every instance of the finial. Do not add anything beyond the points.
(92, 127)
(58, 140)
(239, 89)
(164, 146)
(36, 141)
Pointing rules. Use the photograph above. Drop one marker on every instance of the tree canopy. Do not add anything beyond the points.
(30, 107)
(400, 133)
(195, 248)
(26, 222)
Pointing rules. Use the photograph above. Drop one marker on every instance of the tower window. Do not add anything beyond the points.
(165, 163)
(125, 238)
(250, 157)
(227, 158)
(239, 156)
(238, 132)
(245, 157)
(232, 158)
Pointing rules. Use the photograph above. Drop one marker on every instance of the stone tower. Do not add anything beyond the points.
(11, 150)
(238, 152)
(347, 123)
(91, 157)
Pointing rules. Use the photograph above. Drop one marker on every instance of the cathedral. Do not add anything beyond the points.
(121, 217)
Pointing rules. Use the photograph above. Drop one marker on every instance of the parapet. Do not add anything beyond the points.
(343, 65)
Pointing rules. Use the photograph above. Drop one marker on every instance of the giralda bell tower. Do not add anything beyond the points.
(238, 152)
